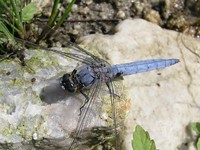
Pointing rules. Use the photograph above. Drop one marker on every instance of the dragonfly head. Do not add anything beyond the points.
(67, 83)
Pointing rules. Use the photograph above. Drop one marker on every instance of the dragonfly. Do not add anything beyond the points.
(94, 72)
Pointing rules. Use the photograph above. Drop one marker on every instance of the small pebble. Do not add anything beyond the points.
(35, 136)
(121, 14)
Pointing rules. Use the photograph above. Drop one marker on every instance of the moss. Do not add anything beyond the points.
(37, 143)
(5, 131)
(18, 82)
(34, 63)
(7, 107)
(24, 129)
(120, 105)
(1, 92)
(41, 59)
(35, 99)
(39, 129)
(8, 130)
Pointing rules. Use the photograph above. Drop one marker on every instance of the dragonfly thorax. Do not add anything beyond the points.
(81, 79)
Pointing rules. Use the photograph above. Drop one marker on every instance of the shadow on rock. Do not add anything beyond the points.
(53, 93)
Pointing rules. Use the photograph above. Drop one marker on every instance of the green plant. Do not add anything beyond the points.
(52, 25)
(14, 14)
(141, 140)
(196, 127)
(16, 17)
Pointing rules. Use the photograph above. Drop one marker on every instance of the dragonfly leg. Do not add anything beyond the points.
(86, 101)
(109, 88)
(74, 72)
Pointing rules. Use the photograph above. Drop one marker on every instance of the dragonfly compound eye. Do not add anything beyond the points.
(67, 84)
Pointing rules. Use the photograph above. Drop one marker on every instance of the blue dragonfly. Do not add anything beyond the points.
(92, 74)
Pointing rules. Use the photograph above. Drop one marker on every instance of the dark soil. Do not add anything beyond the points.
(100, 16)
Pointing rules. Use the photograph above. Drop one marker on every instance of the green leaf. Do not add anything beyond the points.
(198, 144)
(3, 39)
(28, 12)
(141, 140)
(5, 33)
(196, 127)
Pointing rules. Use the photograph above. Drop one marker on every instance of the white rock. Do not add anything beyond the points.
(35, 136)
(165, 104)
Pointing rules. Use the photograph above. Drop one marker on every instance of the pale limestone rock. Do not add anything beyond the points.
(164, 104)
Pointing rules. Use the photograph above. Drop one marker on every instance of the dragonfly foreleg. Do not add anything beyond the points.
(86, 101)
(74, 72)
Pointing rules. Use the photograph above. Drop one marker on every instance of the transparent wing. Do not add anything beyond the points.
(77, 52)
(86, 57)
(114, 113)
(4, 57)
(85, 114)
(81, 55)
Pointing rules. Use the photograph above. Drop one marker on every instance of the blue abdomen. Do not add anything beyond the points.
(141, 66)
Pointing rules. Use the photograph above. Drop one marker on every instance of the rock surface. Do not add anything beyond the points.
(163, 102)
(35, 111)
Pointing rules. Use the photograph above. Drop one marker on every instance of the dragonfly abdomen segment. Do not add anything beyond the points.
(141, 66)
